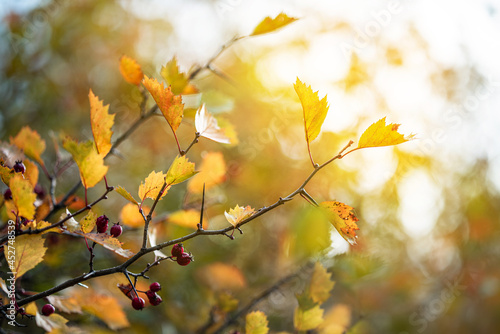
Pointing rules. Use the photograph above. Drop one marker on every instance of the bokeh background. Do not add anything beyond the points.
(428, 253)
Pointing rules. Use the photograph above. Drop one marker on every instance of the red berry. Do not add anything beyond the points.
(184, 259)
(156, 300)
(155, 287)
(116, 230)
(48, 309)
(177, 250)
(7, 195)
(102, 224)
(138, 303)
(19, 167)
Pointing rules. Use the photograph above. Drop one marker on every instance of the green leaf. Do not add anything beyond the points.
(125, 194)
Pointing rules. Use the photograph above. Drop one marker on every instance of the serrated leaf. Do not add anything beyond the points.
(152, 185)
(125, 194)
(170, 105)
(131, 70)
(321, 284)
(23, 196)
(378, 134)
(238, 214)
(212, 172)
(305, 320)
(269, 25)
(344, 220)
(130, 215)
(52, 323)
(221, 276)
(108, 242)
(89, 161)
(29, 251)
(187, 218)
(101, 122)
(176, 79)
(88, 222)
(207, 126)
(180, 170)
(152, 233)
(30, 142)
(256, 323)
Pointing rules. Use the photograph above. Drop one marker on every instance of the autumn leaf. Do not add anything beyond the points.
(187, 218)
(30, 142)
(176, 79)
(256, 323)
(152, 233)
(6, 174)
(66, 304)
(305, 320)
(170, 105)
(39, 225)
(131, 70)
(31, 172)
(71, 224)
(23, 196)
(89, 161)
(321, 284)
(125, 194)
(343, 219)
(29, 251)
(207, 126)
(101, 122)
(88, 222)
(221, 276)
(108, 242)
(379, 134)
(336, 320)
(52, 323)
(130, 215)
(152, 186)
(212, 172)
(314, 111)
(238, 214)
(180, 170)
(105, 307)
(269, 25)
(357, 73)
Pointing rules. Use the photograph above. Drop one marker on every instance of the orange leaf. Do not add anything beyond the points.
(52, 323)
(101, 122)
(221, 276)
(180, 170)
(30, 142)
(108, 242)
(207, 126)
(177, 80)
(152, 186)
(125, 194)
(130, 216)
(256, 323)
(23, 196)
(269, 25)
(131, 70)
(212, 172)
(31, 172)
(238, 214)
(170, 105)
(337, 320)
(29, 251)
(379, 134)
(89, 161)
(187, 218)
(343, 219)
(103, 306)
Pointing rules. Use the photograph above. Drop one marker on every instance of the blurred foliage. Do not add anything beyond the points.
(394, 281)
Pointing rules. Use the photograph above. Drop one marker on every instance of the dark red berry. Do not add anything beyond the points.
(138, 303)
(102, 224)
(116, 230)
(184, 259)
(156, 300)
(19, 167)
(155, 287)
(177, 250)
(7, 195)
(48, 309)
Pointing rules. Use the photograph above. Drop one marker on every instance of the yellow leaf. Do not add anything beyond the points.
(176, 79)
(207, 126)
(220, 276)
(379, 134)
(31, 172)
(321, 285)
(170, 105)
(212, 172)
(337, 320)
(152, 186)
(269, 25)
(238, 214)
(187, 218)
(103, 306)
(101, 122)
(180, 170)
(256, 323)
(131, 70)
(66, 304)
(357, 73)
(343, 219)
(29, 251)
(228, 130)
(6, 173)
(23, 196)
(30, 142)
(130, 215)
(90, 163)
(108, 242)
(88, 222)
(52, 323)
(125, 194)
(305, 320)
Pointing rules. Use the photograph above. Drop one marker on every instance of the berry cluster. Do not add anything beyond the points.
(154, 299)
(183, 258)
(102, 226)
